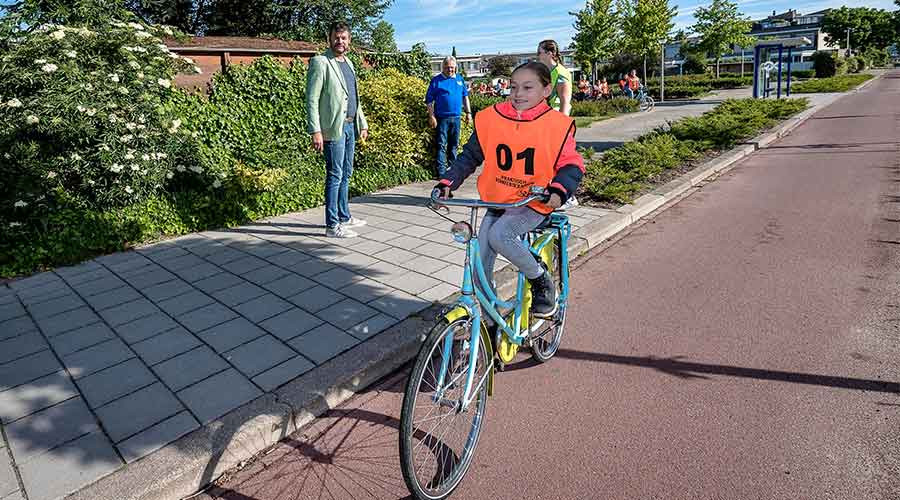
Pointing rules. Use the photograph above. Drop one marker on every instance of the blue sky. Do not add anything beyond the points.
(491, 26)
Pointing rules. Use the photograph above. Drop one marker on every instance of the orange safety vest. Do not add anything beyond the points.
(634, 83)
(519, 154)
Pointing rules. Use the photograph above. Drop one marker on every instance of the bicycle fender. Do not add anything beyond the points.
(461, 312)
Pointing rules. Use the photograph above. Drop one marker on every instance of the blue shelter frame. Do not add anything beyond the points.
(757, 52)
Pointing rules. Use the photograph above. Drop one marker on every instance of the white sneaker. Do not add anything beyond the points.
(571, 203)
(340, 231)
(354, 222)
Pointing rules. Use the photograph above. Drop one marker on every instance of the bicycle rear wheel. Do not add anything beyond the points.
(546, 334)
(646, 103)
(437, 439)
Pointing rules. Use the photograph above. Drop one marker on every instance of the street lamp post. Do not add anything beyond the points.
(849, 52)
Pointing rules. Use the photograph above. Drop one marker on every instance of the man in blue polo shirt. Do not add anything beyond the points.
(446, 96)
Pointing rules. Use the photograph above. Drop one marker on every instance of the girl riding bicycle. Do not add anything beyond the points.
(522, 142)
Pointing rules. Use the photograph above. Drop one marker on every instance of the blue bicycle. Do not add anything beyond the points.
(446, 394)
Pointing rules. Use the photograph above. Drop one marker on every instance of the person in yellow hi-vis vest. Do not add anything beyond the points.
(522, 143)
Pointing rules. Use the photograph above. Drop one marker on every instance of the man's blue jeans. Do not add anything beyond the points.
(338, 168)
(447, 142)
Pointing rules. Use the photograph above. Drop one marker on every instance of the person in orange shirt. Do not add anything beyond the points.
(634, 84)
(522, 143)
(603, 89)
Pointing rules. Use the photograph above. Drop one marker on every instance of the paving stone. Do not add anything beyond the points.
(27, 368)
(193, 240)
(346, 313)
(180, 262)
(55, 306)
(383, 271)
(338, 277)
(153, 276)
(134, 261)
(317, 298)
(425, 265)
(167, 290)
(290, 285)
(137, 411)
(72, 271)
(244, 265)
(49, 428)
(412, 282)
(366, 290)
(43, 293)
(199, 272)
(35, 281)
(11, 310)
(157, 436)
(69, 467)
(219, 394)
(98, 286)
(71, 320)
(439, 292)
(176, 306)
(406, 242)
(238, 294)
(206, 317)
(80, 338)
(129, 311)
(291, 323)
(163, 252)
(23, 345)
(369, 247)
(263, 307)
(115, 382)
(218, 282)
(355, 260)
(16, 326)
(452, 274)
(436, 250)
(278, 375)
(396, 256)
(399, 304)
(113, 298)
(99, 272)
(372, 326)
(260, 248)
(225, 255)
(288, 258)
(312, 267)
(266, 274)
(8, 482)
(416, 231)
(259, 355)
(190, 367)
(93, 359)
(165, 345)
(231, 334)
(323, 343)
(35, 396)
(119, 258)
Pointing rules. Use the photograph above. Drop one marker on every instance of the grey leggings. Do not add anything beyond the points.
(501, 234)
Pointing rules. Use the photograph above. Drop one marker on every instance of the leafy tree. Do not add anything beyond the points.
(645, 26)
(869, 28)
(383, 37)
(185, 15)
(720, 27)
(596, 34)
(501, 66)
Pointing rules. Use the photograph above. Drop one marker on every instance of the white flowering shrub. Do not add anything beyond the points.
(83, 120)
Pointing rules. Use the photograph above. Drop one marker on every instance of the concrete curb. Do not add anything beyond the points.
(183, 467)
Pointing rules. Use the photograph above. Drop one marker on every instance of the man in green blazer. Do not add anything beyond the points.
(335, 118)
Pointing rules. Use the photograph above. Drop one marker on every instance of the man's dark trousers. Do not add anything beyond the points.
(447, 143)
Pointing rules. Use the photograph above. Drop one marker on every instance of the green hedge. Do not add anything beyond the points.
(251, 135)
(829, 63)
(614, 106)
(687, 86)
(622, 171)
(841, 83)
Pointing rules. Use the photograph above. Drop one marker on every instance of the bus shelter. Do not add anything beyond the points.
(766, 71)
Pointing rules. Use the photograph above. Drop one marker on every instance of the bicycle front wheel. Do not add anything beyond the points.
(438, 437)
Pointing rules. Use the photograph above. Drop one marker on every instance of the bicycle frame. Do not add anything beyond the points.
(475, 296)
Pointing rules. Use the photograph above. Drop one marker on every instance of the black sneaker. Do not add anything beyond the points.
(543, 296)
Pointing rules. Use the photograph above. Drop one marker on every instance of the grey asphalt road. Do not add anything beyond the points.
(742, 344)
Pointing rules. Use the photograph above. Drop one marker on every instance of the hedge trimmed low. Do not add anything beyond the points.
(624, 170)
(841, 83)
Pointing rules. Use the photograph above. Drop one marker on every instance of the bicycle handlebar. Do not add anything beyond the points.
(543, 195)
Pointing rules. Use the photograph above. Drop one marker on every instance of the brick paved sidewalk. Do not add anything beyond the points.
(105, 362)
